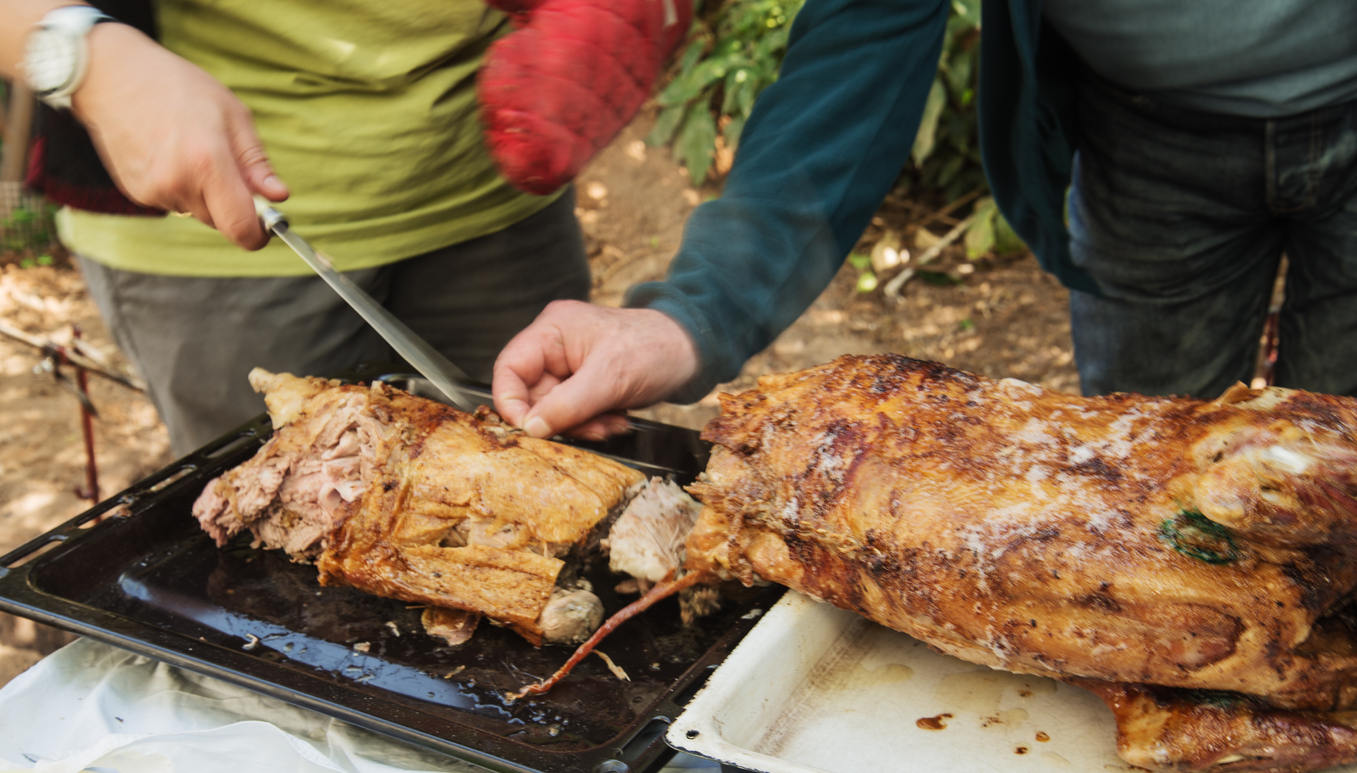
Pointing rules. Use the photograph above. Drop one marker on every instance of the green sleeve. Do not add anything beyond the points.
(821, 150)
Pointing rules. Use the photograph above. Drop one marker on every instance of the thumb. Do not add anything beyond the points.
(571, 403)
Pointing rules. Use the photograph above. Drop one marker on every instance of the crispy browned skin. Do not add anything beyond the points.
(1026, 529)
(444, 467)
(1223, 732)
(453, 510)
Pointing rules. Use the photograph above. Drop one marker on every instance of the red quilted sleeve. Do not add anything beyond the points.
(559, 88)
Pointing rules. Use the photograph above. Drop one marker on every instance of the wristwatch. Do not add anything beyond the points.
(55, 56)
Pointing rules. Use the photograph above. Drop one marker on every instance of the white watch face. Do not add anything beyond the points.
(51, 59)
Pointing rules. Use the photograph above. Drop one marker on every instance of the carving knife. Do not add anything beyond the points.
(430, 363)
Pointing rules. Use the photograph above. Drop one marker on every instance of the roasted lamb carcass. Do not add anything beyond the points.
(1201, 546)
(407, 498)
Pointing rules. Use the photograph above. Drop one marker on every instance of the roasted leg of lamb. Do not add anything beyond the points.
(1196, 546)
(407, 498)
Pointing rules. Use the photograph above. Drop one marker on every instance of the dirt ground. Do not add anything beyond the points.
(999, 317)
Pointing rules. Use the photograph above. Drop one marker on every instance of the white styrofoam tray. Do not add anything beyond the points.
(815, 688)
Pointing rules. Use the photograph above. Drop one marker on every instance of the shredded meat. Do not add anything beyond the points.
(647, 540)
(454, 626)
(407, 498)
(1126, 539)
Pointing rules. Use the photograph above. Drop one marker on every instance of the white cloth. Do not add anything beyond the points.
(93, 707)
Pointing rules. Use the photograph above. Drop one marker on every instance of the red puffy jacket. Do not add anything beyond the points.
(559, 88)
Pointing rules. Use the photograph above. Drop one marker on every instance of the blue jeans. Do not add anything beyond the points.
(1182, 218)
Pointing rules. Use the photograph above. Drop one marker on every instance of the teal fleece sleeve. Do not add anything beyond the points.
(823, 146)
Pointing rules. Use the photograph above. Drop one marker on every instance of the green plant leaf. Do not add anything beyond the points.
(695, 145)
(1006, 240)
(980, 234)
(860, 260)
(736, 81)
(726, 47)
(745, 92)
(980, 238)
(925, 140)
(959, 72)
(666, 123)
(866, 282)
(693, 53)
(968, 10)
(689, 86)
(733, 131)
(733, 53)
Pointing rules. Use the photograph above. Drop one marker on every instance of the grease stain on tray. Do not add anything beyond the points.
(932, 723)
(982, 691)
(889, 673)
(1005, 717)
(836, 691)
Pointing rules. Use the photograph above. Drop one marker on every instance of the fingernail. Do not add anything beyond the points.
(273, 182)
(537, 427)
(595, 436)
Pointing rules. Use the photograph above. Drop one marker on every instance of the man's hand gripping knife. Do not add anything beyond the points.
(171, 136)
(574, 73)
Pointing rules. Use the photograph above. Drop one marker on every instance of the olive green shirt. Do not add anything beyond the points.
(368, 113)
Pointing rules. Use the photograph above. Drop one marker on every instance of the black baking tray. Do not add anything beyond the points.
(137, 572)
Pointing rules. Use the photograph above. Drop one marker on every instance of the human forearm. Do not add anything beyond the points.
(824, 145)
(820, 152)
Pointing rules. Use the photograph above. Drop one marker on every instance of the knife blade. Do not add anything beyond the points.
(430, 363)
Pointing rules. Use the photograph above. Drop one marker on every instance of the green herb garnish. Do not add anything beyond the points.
(1196, 536)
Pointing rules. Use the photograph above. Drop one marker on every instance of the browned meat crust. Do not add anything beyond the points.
(407, 498)
(1190, 730)
(1123, 538)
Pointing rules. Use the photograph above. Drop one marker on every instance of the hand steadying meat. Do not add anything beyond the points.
(577, 362)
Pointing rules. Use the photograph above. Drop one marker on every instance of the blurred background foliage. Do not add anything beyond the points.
(27, 221)
(27, 227)
(732, 54)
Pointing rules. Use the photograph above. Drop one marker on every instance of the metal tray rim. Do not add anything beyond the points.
(638, 748)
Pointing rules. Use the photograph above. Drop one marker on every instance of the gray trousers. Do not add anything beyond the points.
(195, 340)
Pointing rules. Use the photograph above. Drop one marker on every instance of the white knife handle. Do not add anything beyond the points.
(269, 216)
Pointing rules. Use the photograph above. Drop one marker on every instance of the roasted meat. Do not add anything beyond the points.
(647, 541)
(407, 498)
(1193, 730)
(1127, 539)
